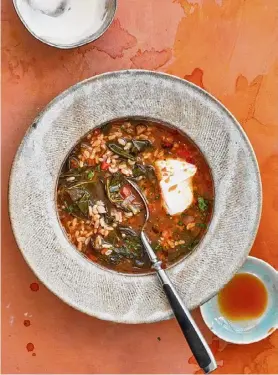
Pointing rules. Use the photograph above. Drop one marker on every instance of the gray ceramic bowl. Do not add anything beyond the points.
(111, 6)
(83, 284)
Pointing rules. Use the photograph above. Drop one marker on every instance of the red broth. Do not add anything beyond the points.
(102, 214)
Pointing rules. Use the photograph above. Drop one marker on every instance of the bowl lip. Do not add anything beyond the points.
(71, 89)
(81, 43)
(272, 271)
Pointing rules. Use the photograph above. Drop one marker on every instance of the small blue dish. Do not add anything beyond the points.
(253, 330)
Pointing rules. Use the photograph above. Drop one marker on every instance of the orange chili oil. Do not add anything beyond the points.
(243, 298)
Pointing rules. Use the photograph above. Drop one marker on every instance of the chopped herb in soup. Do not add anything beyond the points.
(102, 214)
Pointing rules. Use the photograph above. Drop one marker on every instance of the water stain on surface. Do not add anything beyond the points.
(265, 247)
(151, 59)
(196, 77)
(242, 101)
(215, 347)
(226, 41)
(115, 41)
(265, 362)
(255, 360)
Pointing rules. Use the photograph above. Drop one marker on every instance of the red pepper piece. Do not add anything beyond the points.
(166, 144)
(104, 166)
(125, 191)
(183, 153)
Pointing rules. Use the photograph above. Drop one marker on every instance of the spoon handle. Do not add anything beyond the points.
(191, 332)
(195, 339)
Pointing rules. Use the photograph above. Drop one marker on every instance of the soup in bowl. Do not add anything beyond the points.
(101, 212)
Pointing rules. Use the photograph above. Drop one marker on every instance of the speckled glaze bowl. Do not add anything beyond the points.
(111, 7)
(160, 97)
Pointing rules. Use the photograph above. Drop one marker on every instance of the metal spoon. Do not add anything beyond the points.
(195, 339)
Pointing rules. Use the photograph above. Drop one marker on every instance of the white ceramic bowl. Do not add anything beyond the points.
(90, 36)
(161, 97)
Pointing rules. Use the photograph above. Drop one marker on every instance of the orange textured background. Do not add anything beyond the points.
(228, 47)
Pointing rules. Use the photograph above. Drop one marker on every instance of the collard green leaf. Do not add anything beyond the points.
(112, 187)
(120, 151)
(83, 203)
(202, 204)
(193, 244)
(143, 170)
(140, 145)
(75, 194)
(79, 184)
(201, 225)
(128, 231)
(90, 174)
(106, 128)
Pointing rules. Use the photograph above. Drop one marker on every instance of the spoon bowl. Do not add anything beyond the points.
(144, 200)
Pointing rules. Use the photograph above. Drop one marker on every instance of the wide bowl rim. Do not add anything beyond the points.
(158, 74)
(84, 41)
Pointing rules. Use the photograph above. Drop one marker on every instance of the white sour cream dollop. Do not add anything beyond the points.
(175, 180)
